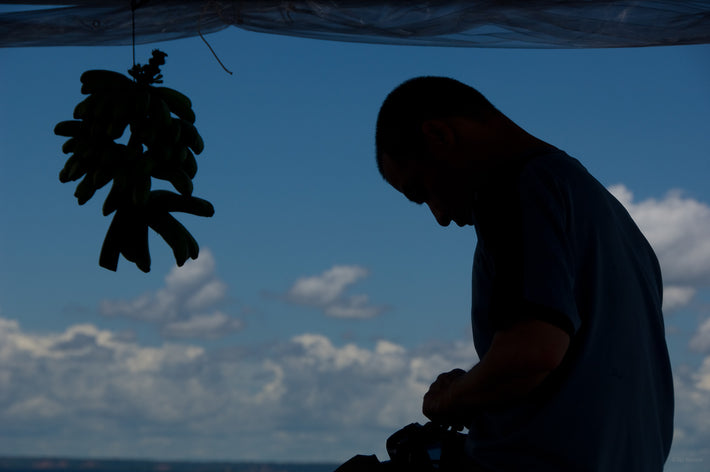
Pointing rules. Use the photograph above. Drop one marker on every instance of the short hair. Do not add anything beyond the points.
(398, 131)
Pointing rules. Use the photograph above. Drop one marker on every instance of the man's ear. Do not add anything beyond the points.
(438, 135)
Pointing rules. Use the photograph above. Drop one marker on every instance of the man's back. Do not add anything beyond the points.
(557, 246)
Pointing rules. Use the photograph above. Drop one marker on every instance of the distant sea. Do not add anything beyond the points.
(48, 464)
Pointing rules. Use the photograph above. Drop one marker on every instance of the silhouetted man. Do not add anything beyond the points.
(574, 373)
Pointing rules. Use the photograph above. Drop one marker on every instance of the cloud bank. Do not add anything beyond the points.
(93, 393)
(90, 392)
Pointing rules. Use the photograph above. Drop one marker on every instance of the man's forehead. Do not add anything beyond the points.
(393, 171)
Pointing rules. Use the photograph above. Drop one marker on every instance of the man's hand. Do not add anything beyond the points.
(438, 406)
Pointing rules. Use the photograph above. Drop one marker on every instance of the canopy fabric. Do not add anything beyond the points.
(482, 23)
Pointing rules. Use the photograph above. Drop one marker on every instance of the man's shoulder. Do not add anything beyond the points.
(552, 161)
(558, 172)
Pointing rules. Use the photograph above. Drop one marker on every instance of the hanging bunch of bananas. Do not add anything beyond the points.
(162, 144)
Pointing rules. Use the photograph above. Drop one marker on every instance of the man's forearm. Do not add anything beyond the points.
(483, 387)
(516, 363)
(489, 386)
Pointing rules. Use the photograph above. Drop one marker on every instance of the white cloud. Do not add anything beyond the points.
(203, 326)
(89, 391)
(675, 297)
(325, 288)
(186, 306)
(327, 292)
(678, 228)
(356, 306)
(691, 437)
(700, 341)
(214, 291)
(702, 382)
(192, 273)
(35, 406)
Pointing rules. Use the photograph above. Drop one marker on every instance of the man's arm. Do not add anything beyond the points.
(518, 360)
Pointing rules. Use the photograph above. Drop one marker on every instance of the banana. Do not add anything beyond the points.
(99, 80)
(127, 235)
(141, 190)
(144, 132)
(85, 146)
(191, 137)
(101, 176)
(163, 142)
(91, 149)
(175, 234)
(179, 154)
(181, 181)
(116, 196)
(96, 111)
(69, 145)
(178, 103)
(167, 201)
(159, 113)
(79, 163)
(74, 168)
(172, 133)
(115, 128)
(110, 250)
(176, 176)
(114, 154)
(122, 109)
(103, 109)
(85, 109)
(192, 246)
(68, 128)
(85, 190)
(163, 162)
(118, 158)
(159, 155)
(141, 102)
(134, 245)
(189, 165)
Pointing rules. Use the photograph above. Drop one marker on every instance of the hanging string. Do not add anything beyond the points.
(205, 7)
(214, 54)
(134, 5)
(133, 29)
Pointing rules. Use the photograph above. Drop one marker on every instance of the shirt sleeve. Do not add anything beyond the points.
(548, 246)
(526, 225)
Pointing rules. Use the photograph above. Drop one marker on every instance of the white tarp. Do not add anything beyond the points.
(484, 23)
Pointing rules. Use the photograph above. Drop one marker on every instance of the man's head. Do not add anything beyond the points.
(420, 100)
(432, 135)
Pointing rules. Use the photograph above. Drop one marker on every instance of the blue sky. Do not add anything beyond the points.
(323, 303)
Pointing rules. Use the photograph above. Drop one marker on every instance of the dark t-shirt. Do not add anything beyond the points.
(554, 244)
